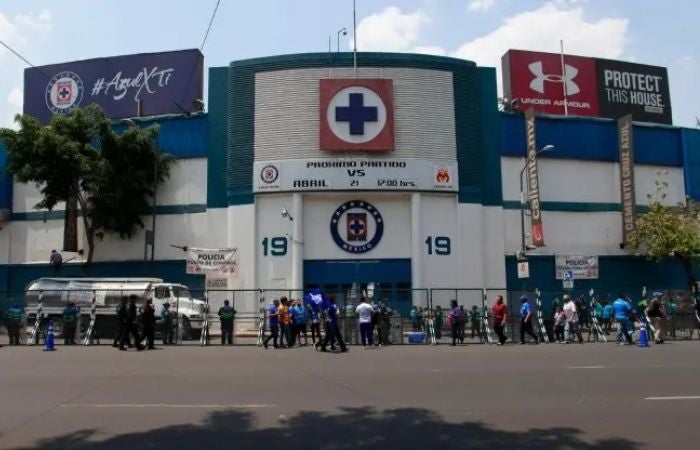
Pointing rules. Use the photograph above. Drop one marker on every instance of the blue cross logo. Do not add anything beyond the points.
(356, 114)
(357, 226)
(64, 93)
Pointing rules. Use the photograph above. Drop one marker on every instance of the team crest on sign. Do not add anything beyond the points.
(269, 174)
(64, 92)
(356, 114)
(363, 225)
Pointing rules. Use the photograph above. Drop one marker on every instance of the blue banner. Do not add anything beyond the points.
(145, 84)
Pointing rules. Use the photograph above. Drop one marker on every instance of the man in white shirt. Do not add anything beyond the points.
(571, 315)
(364, 313)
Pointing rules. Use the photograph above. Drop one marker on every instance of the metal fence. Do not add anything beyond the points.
(194, 315)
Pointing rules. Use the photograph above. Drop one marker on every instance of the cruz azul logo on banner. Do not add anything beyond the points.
(210, 261)
(626, 148)
(357, 226)
(355, 174)
(123, 86)
(583, 267)
(356, 114)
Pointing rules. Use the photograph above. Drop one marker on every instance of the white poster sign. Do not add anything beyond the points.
(523, 269)
(365, 174)
(583, 267)
(214, 262)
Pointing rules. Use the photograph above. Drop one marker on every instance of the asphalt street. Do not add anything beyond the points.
(592, 396)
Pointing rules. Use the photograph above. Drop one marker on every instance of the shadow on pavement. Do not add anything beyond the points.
(351, 428)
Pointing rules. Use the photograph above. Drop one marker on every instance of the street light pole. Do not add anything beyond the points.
(343, 31)
(523, 200)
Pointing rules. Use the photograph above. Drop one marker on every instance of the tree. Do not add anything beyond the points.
(111, 175)
(669, 232)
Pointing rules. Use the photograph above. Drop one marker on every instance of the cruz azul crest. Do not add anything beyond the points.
(362, 224)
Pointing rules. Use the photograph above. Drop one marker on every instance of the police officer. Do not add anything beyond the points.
(166, 324)
(14, 322)
(148, 320)
(70, 321)
(130, 325)
(226, 315)
(121, 324)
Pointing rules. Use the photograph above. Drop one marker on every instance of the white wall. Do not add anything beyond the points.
(287, 112)
(590, 181)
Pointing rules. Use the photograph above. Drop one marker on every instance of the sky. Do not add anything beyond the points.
(644, 31)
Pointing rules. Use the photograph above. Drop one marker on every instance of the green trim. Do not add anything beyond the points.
(470, 140)
(161, 210)
(490, 137)
(575, 206)
(218, 121)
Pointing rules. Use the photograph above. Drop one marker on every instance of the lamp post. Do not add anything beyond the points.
(523, 201)
(344, 32)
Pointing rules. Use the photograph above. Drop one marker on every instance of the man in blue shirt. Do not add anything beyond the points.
(273, 321)
(298, 312)
(70, 321)
(607, 317)
(332, 330)
(526, 320)
(621, 311)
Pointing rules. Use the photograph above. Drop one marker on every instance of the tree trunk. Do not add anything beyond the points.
(89, 230)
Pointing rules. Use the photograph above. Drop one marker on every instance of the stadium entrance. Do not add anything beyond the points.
(349, 280)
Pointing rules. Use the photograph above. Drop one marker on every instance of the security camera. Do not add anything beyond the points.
(285, 213)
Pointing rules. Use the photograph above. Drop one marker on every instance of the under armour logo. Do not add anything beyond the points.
(570, 73)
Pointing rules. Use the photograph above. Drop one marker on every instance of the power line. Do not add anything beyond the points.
(23, 58)
(211, 22)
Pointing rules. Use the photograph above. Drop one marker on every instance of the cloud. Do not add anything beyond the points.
(40, 21)
(479, 5)
(15, 98)
(541, 30)
(429, 50)
(390, 30)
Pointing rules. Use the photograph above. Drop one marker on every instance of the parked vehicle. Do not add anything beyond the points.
(105, 294)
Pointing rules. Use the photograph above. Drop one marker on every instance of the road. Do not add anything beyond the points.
(592, 396)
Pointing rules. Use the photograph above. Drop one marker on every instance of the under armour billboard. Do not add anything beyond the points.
(146, 84)
(592, 87)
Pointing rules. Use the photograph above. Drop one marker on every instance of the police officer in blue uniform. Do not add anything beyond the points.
(70, 321)
(14, 322)
(332, 329)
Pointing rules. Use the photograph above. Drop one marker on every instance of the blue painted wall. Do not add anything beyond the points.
(592, 139)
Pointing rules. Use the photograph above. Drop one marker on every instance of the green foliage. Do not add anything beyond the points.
(667, 232)
(111, 174)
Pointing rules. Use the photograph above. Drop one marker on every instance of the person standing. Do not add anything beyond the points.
(315, 325)
(439, 319)
(607, 318)
(526, 320)
(455, 319)
(273, 322)
(70, 321)
(364, 313)
(299, 317)
(148, 320)
(332, 329)
(657, 314)
(123, 324)
(166, 324)
(559, 325)
(131, 326)
(475, 317)
(14, 322)
(500, 318)
(226, 316)
(572, 324)
(621, 311)
(285, 322)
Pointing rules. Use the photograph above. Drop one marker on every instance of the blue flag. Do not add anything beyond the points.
(316, 299)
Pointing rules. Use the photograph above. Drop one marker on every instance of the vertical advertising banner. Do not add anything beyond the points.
(627, 200)
(533, 180)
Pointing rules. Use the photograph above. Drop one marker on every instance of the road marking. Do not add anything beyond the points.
(584, 367)
(161, 405)
(683, 397)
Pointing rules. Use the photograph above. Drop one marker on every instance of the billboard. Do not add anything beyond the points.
(592, 86)
(582, 267)
(145, 84)
(355, 174)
